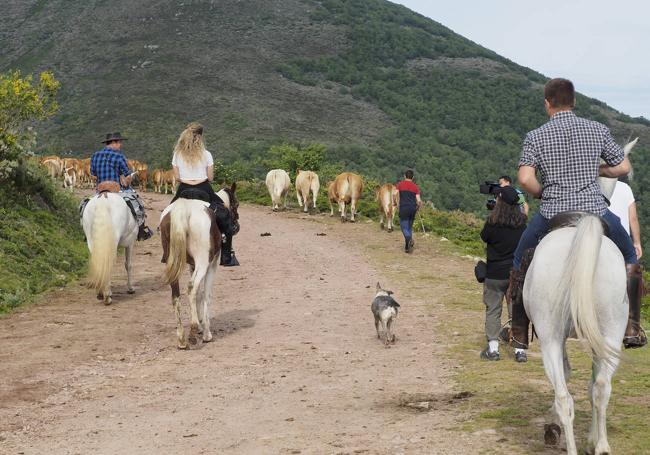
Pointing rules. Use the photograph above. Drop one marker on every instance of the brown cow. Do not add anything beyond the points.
(169, 179)
(157, 180)
(388, 198)
(346, 189)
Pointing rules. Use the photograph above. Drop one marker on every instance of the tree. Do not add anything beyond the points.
(22, 102)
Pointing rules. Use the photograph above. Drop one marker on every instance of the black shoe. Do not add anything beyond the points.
(409, 246)
(144, 233)
(486, 354)
(521, 357)
(229, 260)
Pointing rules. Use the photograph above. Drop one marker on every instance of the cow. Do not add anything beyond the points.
(388, 198)
(142, 179)
(70, 177)
(347, 188)
(306, 181)
(278, 184)
(331, 196)
(157, 180)
(169, 179)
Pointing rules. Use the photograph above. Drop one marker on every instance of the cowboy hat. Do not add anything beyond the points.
(116, 136)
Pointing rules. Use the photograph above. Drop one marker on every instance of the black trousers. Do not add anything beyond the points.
(203, 186)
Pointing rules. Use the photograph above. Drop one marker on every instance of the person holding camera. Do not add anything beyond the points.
(409, 203)
(505, 180)
(501, 233)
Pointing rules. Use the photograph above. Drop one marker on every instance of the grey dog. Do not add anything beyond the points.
(385, 309)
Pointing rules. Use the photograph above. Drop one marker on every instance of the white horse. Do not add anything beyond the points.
(189, 231)
(108, 223)
(588, 295)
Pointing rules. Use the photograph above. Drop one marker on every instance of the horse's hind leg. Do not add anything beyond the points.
(600, 389)
(176, 302)
(207, 300)
(552, 353)
(128, 259)
(197, 277)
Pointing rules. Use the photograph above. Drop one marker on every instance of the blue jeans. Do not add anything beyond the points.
(537, 228)
(406, 219)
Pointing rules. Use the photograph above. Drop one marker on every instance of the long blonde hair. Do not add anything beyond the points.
(190, 145)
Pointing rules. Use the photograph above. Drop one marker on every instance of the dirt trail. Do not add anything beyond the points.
(295, 366)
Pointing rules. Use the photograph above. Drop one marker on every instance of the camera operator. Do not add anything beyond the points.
(501, 233)
(505, 180)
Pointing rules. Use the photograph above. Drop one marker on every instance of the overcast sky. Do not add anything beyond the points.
(602, 46)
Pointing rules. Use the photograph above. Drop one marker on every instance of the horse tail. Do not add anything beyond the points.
(102, 256)
(179, 223)
(577, 285)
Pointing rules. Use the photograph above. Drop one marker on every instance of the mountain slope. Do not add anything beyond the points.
(383, 87)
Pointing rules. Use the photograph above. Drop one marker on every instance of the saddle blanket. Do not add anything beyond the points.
(132, 200)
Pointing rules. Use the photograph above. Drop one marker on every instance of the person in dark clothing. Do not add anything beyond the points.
(409, 203)
(501, 233)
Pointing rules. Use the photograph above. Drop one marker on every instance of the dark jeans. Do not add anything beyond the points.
(406, 219)
(538, 226)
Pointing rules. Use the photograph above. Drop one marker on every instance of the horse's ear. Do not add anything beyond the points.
(378, 286)
(233, 187)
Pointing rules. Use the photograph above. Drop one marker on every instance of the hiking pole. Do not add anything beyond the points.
(421, 222)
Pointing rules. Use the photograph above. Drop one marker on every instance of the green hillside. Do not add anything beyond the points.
(381, 86)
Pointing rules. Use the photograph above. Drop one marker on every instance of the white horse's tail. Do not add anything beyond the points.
(179, 226)
(102, 256)
(577, 286)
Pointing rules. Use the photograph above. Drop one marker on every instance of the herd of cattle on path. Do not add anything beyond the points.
(345, 189)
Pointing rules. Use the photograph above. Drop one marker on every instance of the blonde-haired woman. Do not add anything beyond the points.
(193, 164)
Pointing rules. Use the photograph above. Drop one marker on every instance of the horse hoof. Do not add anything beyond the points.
(100, 296)
(192, 340)
(390, 229)
(183, 346)
(108, 301)
(552, 434)
(207, 338)
(130, 291)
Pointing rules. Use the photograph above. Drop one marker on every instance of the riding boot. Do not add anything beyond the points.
(144, 232)
(228, 258)
(520, 321)
(635, 336)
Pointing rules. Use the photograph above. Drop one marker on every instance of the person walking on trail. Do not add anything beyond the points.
(623, 205)
(409, 203)
(109, 168)
(505, 180)
(566, 152)
(193, 167)
(501, 233)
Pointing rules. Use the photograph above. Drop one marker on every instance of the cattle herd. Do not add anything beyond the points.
(345, 189)
(75, 173)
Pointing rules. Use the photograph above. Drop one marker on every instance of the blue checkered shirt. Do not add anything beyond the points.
(108, 164)
(566, 152)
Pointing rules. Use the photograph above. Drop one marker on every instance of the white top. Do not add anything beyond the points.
(196, 172)
(621, 200)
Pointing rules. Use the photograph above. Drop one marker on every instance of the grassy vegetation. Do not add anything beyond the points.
(41, 243)
(514, 399)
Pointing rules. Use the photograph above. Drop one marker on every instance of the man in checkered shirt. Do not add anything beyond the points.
(109, 165)
(566, 152)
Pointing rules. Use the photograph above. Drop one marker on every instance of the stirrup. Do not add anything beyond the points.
(144, 233)
(637, 341)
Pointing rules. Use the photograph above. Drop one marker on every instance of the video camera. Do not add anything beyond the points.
(490, 188)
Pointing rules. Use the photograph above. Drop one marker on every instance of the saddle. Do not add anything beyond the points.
(571, 219)
(221, 213)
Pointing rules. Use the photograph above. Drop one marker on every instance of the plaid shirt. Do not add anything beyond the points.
(108, 164)
(566, 151)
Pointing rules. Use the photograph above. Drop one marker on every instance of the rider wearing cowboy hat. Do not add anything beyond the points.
(109, 165)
